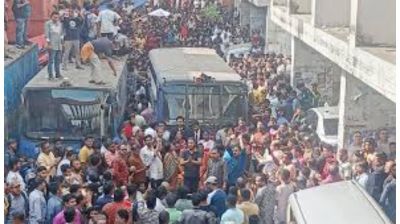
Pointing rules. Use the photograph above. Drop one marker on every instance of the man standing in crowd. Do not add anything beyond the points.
(18, 201)
(46, 158)
(217, 197)
(37, 202)
(72, 24)
(22, 10)
(191, 162)
(108, 22)
(54, 38)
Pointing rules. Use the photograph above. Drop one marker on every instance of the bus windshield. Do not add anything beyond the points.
(63, 113)
(202, 103)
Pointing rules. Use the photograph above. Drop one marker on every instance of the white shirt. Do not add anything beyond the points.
(149, 159)
(207, 144)
(362, 180)
(62, 162)
(15, 176)
(107, 19)
(283, 192)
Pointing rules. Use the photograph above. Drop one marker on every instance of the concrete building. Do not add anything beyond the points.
(256, 14)
(347, 47)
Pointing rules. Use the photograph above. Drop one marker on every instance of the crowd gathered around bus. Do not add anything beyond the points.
(241, 172)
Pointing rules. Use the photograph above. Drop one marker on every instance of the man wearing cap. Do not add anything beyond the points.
(86, 150)
(217, 197)
(11, 152)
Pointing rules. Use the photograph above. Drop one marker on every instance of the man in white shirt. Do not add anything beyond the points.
(152, 160)
(14, 175)
(108, 20)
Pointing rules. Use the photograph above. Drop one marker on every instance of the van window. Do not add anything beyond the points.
(331, 126)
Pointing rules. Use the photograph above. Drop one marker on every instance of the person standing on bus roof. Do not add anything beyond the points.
(90, 52)
(54, 37)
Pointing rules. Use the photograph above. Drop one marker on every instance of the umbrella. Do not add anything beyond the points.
(159, 13)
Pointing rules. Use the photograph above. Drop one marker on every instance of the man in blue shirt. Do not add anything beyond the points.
(54, 204)
(217, 197)
(235, 163)
(106, 197)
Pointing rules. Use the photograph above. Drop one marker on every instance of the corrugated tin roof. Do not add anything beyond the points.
(183, 64)
(79, 78)
(342, 202)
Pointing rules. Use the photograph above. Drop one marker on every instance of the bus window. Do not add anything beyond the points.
(65, 113)
(203, 102)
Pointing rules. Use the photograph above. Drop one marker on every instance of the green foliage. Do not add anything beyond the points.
(211, 13)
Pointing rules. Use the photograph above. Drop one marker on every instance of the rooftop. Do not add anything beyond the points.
(184, 64)
(79, 78)
(14, 53)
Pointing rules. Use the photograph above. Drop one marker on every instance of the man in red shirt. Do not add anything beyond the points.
(112, 208)
(119, 166)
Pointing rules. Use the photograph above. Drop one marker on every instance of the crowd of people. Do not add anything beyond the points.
(153, 173)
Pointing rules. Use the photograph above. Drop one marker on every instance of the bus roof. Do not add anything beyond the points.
(183, 64)
(342, 202)
(79, 79)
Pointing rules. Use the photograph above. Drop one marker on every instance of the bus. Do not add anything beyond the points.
(69, 109)
(197, 84)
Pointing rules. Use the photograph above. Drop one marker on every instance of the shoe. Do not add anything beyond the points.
(51, 78)
(20, 47)
(80, 68)
(92, 81)
(59, 77)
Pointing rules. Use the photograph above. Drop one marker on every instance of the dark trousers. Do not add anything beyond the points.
(155, 183)
(192, 183)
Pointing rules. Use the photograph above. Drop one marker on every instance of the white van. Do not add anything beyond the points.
(344, 202)
(324, 121)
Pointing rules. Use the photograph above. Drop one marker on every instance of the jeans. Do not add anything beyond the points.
(21, 31)
(54, 60)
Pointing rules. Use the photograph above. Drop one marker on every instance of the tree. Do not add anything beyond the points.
(211, 13)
